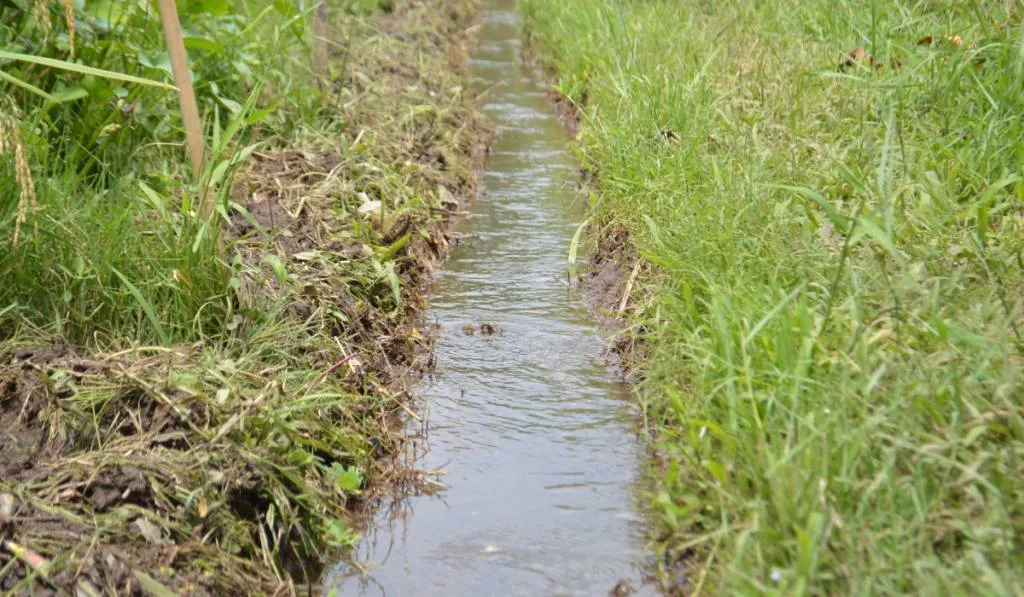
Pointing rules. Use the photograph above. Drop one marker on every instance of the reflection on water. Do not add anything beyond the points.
(537, 446)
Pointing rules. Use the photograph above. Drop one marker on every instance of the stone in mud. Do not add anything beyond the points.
(623, 588)
(489, 329)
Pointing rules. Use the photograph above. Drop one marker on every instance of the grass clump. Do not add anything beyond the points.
(204, 413)
(828, 199)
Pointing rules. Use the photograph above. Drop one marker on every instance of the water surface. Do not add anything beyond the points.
(535, 438)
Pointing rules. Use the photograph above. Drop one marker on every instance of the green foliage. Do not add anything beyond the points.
(348, 479)
(833, 308)
(102, 139)
(339, 534)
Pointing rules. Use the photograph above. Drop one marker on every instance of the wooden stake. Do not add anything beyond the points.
(320, 31)
(629, 285)
(186, 96)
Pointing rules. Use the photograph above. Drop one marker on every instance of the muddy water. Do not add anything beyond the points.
(535, 439)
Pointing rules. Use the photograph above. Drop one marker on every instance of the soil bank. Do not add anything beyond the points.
(216, 467)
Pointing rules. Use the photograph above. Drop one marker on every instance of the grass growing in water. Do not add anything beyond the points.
(832, 298)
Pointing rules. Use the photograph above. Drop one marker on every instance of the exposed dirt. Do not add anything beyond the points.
(131, 468)
(566, 112)
(21, 441)
(612, 267)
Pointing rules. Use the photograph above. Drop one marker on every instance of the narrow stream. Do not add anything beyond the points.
(535, 439)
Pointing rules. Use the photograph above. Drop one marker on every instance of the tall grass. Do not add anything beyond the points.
(833, 306)
(107, 249)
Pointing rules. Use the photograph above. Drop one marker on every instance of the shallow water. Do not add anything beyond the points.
(535, 439)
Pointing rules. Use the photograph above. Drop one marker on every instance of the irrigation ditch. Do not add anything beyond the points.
(530, 440)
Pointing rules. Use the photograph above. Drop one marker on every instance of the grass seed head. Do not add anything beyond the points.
(10, 144)
(41, 9)
(69, 19)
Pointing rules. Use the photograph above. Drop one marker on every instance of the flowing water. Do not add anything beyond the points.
(535, 439)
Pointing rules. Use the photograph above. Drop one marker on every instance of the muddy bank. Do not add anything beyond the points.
(220, 466)
(611, 282)
(612, 263)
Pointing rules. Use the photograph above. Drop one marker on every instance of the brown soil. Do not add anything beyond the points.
(566, 113)
(124, 470)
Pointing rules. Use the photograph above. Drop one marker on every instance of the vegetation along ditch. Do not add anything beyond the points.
(195, 404)
(826, 198)
(805, 216)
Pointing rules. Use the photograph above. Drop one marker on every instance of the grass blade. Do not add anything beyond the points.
(147, 308)
(81, 69)
(27, 86)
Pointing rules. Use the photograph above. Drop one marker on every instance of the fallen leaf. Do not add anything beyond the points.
(852, 57)
(149, 531)
(6, 506)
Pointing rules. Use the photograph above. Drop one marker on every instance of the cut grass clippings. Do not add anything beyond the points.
(828, 198)
(223, 454)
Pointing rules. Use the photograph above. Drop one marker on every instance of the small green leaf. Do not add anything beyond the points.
(348, 479)
(338, 534)
(196, 42)
(868, 227)
(716, 469)
(275, 264)
(160, 61)
(152, 586)
(70, 94)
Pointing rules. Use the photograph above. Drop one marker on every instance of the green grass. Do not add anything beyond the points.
(108, 164)
(832, 302)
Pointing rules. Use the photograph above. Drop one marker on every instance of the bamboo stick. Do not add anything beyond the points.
(186, 96)
(320, 31)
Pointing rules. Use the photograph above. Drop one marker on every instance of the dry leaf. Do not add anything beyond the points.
(852, 57)
(148, 530)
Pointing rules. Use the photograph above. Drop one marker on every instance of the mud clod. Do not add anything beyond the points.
(117, 486)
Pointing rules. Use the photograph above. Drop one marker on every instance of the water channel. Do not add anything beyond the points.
(533, 434)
